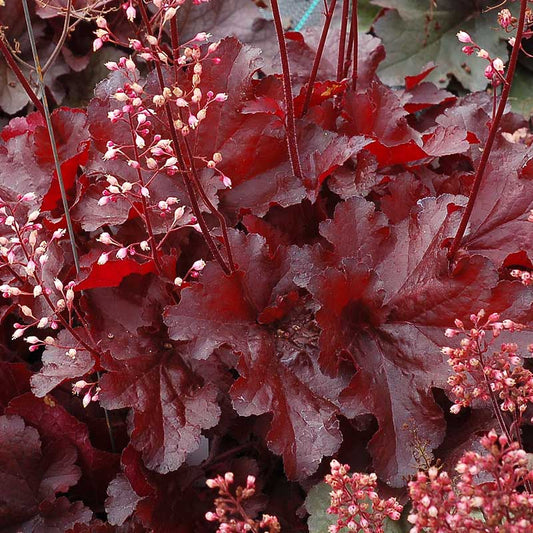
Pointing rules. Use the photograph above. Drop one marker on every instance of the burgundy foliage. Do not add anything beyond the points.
(333, 318)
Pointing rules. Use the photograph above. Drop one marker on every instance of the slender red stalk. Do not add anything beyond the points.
(492, 133)
(318, 56)
(153, 243)
(292, 141)
(20, 76)
(348, 59)
(210, 206)
(355, 43)
(342, 40)
(174, 36)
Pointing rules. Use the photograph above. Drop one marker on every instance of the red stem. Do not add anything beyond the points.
(318, 56)
(20, 76)
(287, 88)
(175, 45)
(355, 41)
(342, 40)
(492, 133)
(210, 206)
(348, 60)
(153, 244)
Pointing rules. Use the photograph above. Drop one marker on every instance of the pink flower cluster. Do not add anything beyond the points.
(463, 506)
(495, 69)
(355, 500)
(480, 375)
(229, 510)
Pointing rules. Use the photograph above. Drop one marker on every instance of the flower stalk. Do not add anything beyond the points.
(492, 133)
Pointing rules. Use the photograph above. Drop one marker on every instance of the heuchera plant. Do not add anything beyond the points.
(253, 275)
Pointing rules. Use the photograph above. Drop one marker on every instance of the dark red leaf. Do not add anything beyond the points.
(122, 500)
(14, 381)
(58, 366)
(425, 95)
(54, 423)
(26, 160)
(31, 477)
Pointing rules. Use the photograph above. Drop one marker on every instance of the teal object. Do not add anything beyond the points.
(305, 17)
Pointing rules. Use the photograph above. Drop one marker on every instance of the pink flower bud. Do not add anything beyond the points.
(87, 399)
(70, 296)
(102, 260)
(122, 253)
(104, 238)
(464, 37)
(136, 45)
(221, 97)
(18, 333)
(213, 47)
(198, 265)
(226, 181)
(130, 64)
(498, 65)
(201, 37)
(97, 44)
(151, 163)
(131, 13)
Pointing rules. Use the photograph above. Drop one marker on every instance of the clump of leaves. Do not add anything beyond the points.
(225, 302)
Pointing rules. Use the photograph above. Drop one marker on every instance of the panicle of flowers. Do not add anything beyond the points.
(442, 504)
(229, 508)
(91, 391)
(523, 275)
(24, 252)
(190, 103)
(356, 502)
(480, 375)
(495, 69)
(160, 120)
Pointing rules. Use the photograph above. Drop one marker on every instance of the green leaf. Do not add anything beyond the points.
(411, 41)
(366, 13)
(521, 97)
(316, 503)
